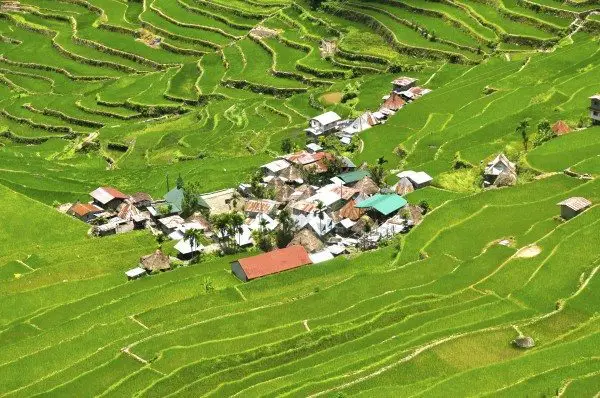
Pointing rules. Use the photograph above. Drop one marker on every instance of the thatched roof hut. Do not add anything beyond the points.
(404, 186)
(361, 225)
(351, 211)
(283, 192)
(307, 239)
(367, 186)
(506, 179)
(524, 342)
(157, 261)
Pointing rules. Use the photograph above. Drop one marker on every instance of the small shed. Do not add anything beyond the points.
(524, 342)
(419, 179)
(188, 249)
(403, 83)
(135, 273)
(157, 261)
(571, 207)
(84, 211)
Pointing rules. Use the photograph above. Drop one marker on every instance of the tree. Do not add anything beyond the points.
(235, 222)
(221, 223)
(179, 182)
(286, 230)
(191, 200)
(522, 130)
(424, 205)
(257, 188)
(314, 4)
(287, 146)
(321, 214)
(544, 133)
(235, 196)
(192, 236)
(263, 237)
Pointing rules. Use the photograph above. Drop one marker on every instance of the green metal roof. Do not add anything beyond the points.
(175, 198)
(353, 176)
(384, 204)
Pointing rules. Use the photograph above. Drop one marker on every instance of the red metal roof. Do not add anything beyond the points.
(115, 193)
(83, 209)
(274, 262)
(394, 102)
(260, 206)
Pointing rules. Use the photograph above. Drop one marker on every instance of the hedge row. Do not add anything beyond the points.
(217, 17)
(194, 26)
(316, 20)
(23, 140)
(30, 75)
(105, 113)
(352, 56)
(155, 110)
(537, 7)
(440, 14)
(65, 117)
(592, 27)
(117, 146)
(180, 50)
(10, 40)
(235, 11)
(261, 88)
(33, 65)
(387, 34)
(357, 70)
(529, 20)
(284, 74)
(11, 85)
(418, 28)
(23, 24)
(48, 127)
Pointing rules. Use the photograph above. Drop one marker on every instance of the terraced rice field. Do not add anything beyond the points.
(432, 315)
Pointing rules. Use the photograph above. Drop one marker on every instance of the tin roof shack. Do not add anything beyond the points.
(322, 125)
(157, 261)
(571, 207)
(141, 200)
(418, 179)
(351, 177)
(170, 224)
(84, 211)
(595, 108)
(500, 172)
(270, 263)
(135, 273)
(403, 83)
(275, 168)
(254, 207)
(108, 198)
(392, 102)
(383, 204)
(187, 249)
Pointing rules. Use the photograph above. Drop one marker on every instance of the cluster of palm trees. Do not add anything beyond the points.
(229, 228)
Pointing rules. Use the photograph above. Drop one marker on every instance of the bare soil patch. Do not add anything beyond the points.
(528, 251)
(332, 98)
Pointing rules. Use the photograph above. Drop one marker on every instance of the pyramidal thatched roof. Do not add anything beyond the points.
(307, 239)
(157, 261)
(404, 186)
(367, 186)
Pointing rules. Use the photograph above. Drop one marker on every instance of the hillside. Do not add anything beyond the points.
(132, 93)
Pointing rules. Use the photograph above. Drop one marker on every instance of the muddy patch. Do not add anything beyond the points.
(528, 251)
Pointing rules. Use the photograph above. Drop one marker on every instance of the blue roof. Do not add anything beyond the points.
(384, 203)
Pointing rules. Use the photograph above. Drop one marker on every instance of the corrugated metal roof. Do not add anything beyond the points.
(83, 209)
(327, 118)
(353, 176)
(274, 262)
(384, 204)
(576, 203)
(106, 194)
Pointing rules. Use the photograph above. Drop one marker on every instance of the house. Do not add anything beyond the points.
(392, 102)
(180, 231)
(403, 187)
(360, 124)
(188, 249)
(366, 186)
(313, 147)
(500, 166)
(561, 128)
(243, 237)
(108, 198)
(255, 207)
(220, 202)
(275, 167)
(383, 204)
(85, 211)
(321, 223)
(174, 199)
(307, 239)
(170, 224)
(263, 221)
(135, 273)
(141, 200)
(351, 212)
(316, 162)
(418, 179)
(302, 207)
(270, 263)
(595, 108)
(333, 195)
(571, 207)
(110, 228)
(418, 92)
(403, 83)
(323, 124)
(157, 261)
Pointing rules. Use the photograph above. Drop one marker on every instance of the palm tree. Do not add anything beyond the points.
(235, 226)
(221, 223)
(522, 130)
(286, 228)
(192, 236)
(235, 196)
(321, 215)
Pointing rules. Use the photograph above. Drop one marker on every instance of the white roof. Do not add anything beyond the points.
(135, 272)
(314, 147)
(176, 235)
(276, 165)
(254, 225)
(407, 94)
(347, 223)
(319, 226)
(346, 140)
(320, 257)
(185, 247)
(576, 203)
(390, 229)
(102, 195)
(336, 250)
(597, 96)
(243, 239)
(416, 177)
(172, 222)
(337, 181)
(325, 195)
(327, 118)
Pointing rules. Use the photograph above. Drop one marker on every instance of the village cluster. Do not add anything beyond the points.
(332, 214)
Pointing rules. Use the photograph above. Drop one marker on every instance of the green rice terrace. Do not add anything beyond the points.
(490, 289)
